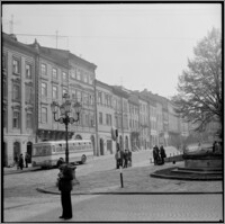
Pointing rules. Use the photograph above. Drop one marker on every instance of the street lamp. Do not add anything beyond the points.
(66, 118)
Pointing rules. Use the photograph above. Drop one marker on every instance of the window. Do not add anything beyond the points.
(43, 115)
(79, 96)
(29, 94)
(106, 100)
(78, 74)
(99, 98)
(73, 93)
(85, 98)
(85, 78)
(54, 92)
(64, 76)
(28, 71)
(87, 119)
(90, 80)
(108, 119)
(91, 99)
(16, 92)
(44, 89)
(29, 120)
(43, 69)
(64, 92)
(100, 118)
(54, 73)
(73, 75)
(16, 66)
(16, 119)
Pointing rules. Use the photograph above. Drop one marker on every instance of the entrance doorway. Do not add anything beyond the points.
(101, 147)
(29, 151)
(16, 150)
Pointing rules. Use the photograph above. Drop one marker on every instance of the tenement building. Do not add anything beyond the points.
(105, 118)
(18, 81)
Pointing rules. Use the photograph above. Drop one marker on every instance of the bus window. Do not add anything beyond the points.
(53, 148)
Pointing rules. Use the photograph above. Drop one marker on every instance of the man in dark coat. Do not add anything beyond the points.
(125, 157)
(156, 155)
(65, 186)
(21, 161)
(27, 159)
(162, 153)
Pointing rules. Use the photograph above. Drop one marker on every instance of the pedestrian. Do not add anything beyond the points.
(21, 165)
(162, 154)
(27, 159)
(60, 162)
(125, 157)
(65, 185)
(16, 160)
(129, 157)
(156, 155)
(119, 157)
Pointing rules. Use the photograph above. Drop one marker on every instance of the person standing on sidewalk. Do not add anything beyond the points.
(16, 160)
(27, 159)
(118, 158)
(21, 165)
(125, 156)
(65, 185)
(162, 153)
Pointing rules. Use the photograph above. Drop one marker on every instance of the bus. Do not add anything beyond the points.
(46, 154)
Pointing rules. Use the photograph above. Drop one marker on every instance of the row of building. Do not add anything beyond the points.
(34, 76)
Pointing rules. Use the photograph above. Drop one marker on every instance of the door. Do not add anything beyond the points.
(29, 151)
(101, 147)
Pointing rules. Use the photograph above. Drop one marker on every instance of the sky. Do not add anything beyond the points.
(138, 46)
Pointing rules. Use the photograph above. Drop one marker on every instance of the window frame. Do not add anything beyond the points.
(44, 90)
(43, 69)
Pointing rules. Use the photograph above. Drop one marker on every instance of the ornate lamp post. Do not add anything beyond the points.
(66, 118)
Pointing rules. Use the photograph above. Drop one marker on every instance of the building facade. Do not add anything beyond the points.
(105, 118)
(18, 77)
(34, 76)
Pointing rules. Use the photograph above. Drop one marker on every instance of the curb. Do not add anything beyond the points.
(42, 190)
(8, 172)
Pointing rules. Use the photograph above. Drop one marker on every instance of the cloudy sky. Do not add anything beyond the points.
(135, 45)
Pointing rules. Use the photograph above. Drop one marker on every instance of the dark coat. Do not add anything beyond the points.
(21, 162)
(162, 152)
(65, 185)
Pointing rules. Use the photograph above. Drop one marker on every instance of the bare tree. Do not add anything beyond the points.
(199, 98)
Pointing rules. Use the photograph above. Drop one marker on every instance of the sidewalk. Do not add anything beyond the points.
(136, 180)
